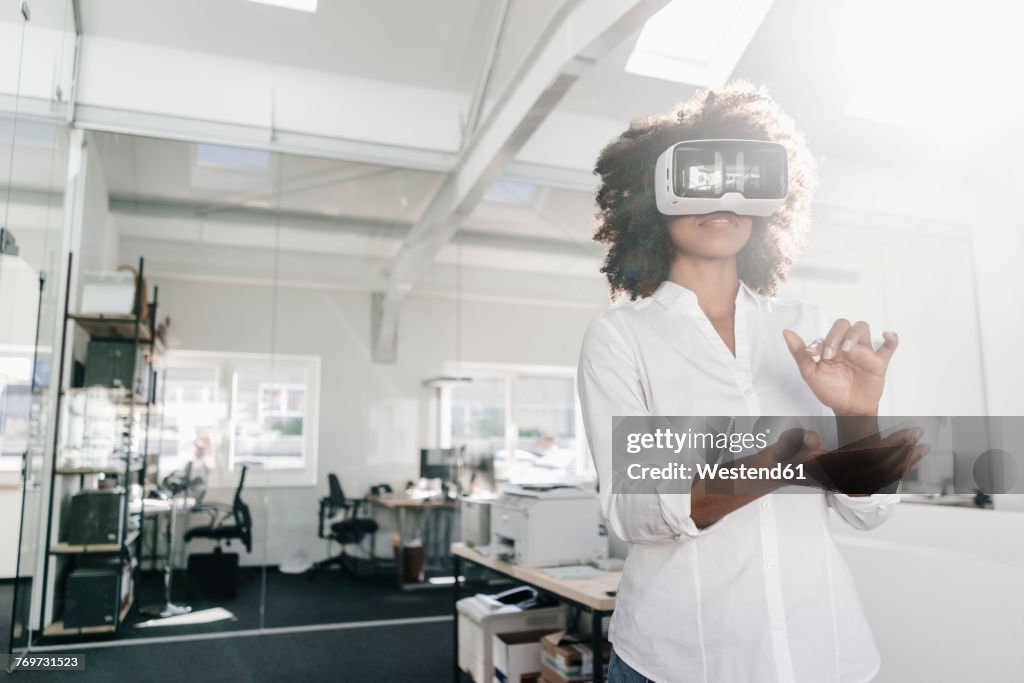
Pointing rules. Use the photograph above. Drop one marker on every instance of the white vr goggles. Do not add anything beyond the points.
(747, 177)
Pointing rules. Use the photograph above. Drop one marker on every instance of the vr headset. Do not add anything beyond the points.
(747, 177)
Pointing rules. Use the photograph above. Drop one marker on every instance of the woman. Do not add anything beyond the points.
(727, 587)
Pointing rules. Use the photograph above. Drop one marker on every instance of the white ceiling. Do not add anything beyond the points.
(399, 41)
(170, 170)
(441, 45)
(161, 192)
(165, 170)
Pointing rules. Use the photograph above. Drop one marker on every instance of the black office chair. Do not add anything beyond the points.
(219, 529)
(351, 529)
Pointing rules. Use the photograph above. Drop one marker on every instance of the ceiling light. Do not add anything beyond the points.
(232, 158)
(930, 64)
(696, 41)
(300, 5)
(511, 192)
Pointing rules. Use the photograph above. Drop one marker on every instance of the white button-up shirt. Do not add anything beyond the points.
(762, 594)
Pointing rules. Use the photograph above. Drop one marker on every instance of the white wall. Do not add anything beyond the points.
(943, 590)
(10, 512)
(99, 250)
(335, 325)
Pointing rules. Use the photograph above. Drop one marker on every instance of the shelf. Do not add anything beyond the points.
(112, 326)
(57, 628)
(97, 549)
(114, 469)
(119, 396)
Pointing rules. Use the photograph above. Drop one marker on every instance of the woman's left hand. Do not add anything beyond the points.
(850, 374)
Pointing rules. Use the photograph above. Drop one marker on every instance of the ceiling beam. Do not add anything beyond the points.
(581, 32)
(370, 228)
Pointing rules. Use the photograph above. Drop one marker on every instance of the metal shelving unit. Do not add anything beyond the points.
(141, 331)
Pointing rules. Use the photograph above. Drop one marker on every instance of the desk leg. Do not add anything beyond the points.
(401, 547)
(455, 617)
(373, 553)
(597, 642)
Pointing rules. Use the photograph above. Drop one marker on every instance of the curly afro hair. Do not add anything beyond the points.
(640, 250)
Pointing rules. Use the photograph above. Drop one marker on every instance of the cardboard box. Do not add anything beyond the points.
(516, 656)
(568, 658)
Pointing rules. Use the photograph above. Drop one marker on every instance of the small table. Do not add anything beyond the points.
(171, 507)
(596, 595)
(402, 502)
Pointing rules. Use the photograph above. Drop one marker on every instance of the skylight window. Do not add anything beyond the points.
(300, 5)
(225, 158)
(511, 192)
(697, 42)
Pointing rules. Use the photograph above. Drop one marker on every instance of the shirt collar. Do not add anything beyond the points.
(669, 294)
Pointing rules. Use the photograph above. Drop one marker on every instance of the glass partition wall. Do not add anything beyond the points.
(37, 43)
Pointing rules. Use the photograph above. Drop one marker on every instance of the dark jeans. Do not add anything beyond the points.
(620, 672)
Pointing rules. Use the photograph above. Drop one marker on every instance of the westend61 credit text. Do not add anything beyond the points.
(704, 472)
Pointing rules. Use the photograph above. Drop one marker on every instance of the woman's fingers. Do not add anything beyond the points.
(890, 342)
(834, 338)
(857, 334)
(800, 352)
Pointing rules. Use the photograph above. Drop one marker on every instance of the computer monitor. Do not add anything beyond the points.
(439, 463)
(473, 472)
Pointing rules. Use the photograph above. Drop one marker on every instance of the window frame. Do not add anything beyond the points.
(512, 374)
(13, 463)
(226, 365)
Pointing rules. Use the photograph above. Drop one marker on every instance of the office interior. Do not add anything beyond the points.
(344, 251)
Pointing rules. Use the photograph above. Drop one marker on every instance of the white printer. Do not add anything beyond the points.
(548, 525)
(481, 617)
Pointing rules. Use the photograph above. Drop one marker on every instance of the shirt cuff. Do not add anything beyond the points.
(875, 500)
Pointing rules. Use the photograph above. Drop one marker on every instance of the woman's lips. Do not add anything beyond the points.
(719, 219)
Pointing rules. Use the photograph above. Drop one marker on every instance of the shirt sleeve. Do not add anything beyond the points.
(864, 512)
(608, 381)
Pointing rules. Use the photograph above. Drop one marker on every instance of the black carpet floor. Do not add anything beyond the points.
(393, 652)
(291, 600)
(409, 653)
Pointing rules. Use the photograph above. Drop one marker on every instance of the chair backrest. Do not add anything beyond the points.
(241, 485)
(242, 514)
(336, 495)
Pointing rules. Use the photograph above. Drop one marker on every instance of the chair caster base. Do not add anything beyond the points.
(167, 610)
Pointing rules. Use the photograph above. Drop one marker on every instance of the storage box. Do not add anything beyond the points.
(213, 576)
(516, 656)
(91, 597)
(109, 293)
(566, 658)
(96, 517)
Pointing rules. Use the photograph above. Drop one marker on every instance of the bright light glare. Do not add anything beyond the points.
(933, 64)
(300, 5)
(441, 580)
(696, 41)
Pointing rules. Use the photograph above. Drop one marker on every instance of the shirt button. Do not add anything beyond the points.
(749, 391)
(765, 504)
(770, 564)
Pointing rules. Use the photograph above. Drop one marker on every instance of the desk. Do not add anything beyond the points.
(154, 509)
(401, 502)
(170, 507)
(596, 596)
